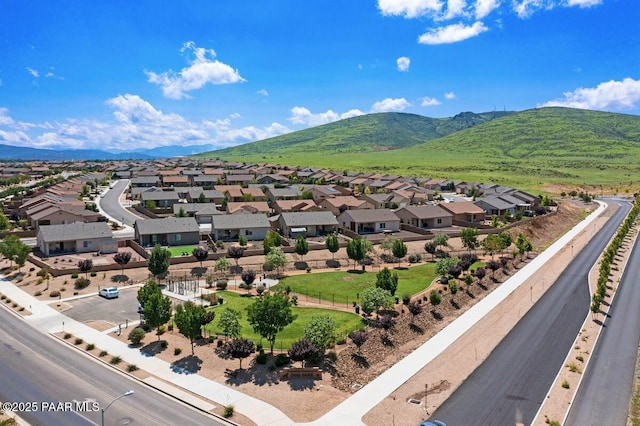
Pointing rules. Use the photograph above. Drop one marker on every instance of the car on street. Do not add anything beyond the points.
(432, 423)
(109, 292)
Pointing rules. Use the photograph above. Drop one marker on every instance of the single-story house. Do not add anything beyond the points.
(76, 237)
(465, 211)
(169, 231)
(337, 205)
(230, 227)
(425, 216)
(369, 221)
(310, 224)
(495, 206)
(248, 207)
(159, 198)
(282, 206)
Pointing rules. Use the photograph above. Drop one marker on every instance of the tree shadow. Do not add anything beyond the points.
(599, 322)
(482, 286)
(301, 383)
(356, 271)
(455, 304)
(198, 271)
(437, 315)
(121, 278)
(471, 295)
(416, 328)
(331, 263)
(360, 360)
(190, 364)
(386, 341)
(153, 348)
(236, 270)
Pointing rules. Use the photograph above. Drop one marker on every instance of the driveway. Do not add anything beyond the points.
(113, 311)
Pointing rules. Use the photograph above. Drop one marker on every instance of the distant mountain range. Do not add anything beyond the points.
(11, 153)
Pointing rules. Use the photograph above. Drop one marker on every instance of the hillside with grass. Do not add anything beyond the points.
(539, 149)
(365, 133)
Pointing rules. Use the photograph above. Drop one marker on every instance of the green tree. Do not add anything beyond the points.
(399, 250)
(492, 244)
(276, 259)
(200, 253)
(441, 240)
(523, 245)
(301, 247)
(443, 265)
(321, 332)
(4, 222)
(387, 281)
(229, 323)
(189, 319)
(13, 249)
(158, 262)
(333, 245)
(374, 298)
(240, 349)
(357, 249)
(387, 243)
(181, 213)
(222, 265)
(469, 237)
(202, 198)
(272, 239)
(122, 258)
(435, 298)
(144, 292)
(157, 310)
(269, 315)
(21, 253)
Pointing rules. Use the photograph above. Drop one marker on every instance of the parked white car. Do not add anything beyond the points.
(109, 292)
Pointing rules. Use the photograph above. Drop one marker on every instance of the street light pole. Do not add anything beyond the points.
(127, 393)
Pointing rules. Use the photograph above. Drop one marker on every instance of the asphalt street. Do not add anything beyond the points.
(110, 203)
(604, 394)
(36, 369)
(511, 384)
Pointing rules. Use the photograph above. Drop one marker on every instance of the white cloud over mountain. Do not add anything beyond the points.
(203, 69)
(607, 96)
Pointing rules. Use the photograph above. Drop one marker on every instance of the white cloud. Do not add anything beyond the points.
(263, 92)
(202, 69)
(302, 115)
(584, 3)
(389, 104)
(33, 72)
(403, 63)
(452, 33)
(455, 8)
(427, 101)
(609, 95)
(525, 8)
(450, 95)
(485, 7)
(410, 8)
(5, 120)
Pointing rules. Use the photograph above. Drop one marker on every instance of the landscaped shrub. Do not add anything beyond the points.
(221, 284)
(136, 335)
(90, 347)
(406, 298)
(281, 359)
(81, 283)
(164, 344)
(74, 275)
(228, 411)
(115, 360)
(78, 341)
(219, 344)
(565, 384)
(40, 280)
(415, 258)
(67, 336)
(262, 357)
(103, 354)
(177, 351)
(131, 368)
(341, 341)
(93, 273)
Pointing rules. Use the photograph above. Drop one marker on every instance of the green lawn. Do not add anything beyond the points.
(176, 251)
(345, 287)
(346, 322)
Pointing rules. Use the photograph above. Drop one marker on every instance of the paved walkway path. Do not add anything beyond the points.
(349, 412)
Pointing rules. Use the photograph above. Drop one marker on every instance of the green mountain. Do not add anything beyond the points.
(538, 149)
(365, 133)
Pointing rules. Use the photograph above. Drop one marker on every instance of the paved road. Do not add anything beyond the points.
(110, 203)
(96, 308)
(509, 387)
(604, 394)
(35, 367)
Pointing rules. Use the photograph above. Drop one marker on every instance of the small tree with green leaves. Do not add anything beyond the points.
(523, 245)
(144, 292)
(243, 241)
(356, 250)
(4, 222)
(469, 238)
(272, 239)
(181, 213)
(229, 323)
(321, 332)
(301, 247)
(374, 298)
(387, 280)
(441, 240)
(333, 245)
(157, 310)
(444, 265)
(189, 319)
(276, 259)
(222, 265)
(399, 249)
(158, 262)
(136, 336)
(269, 315)
(435, 298)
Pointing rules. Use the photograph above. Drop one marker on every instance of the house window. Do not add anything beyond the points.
(248, 232)
(383, 225)
(86, 244)
(439, 221)
(177, 237)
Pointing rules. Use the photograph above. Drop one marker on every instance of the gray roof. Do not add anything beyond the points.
(145, 180)
(75, 231)
(159, 195)
(371, 215)
(167, 225)
(495, 202)
(426, 212)
(301, 219)
(193, 207)
(240, 221)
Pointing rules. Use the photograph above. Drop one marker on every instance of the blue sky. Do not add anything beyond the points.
(121, 75)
